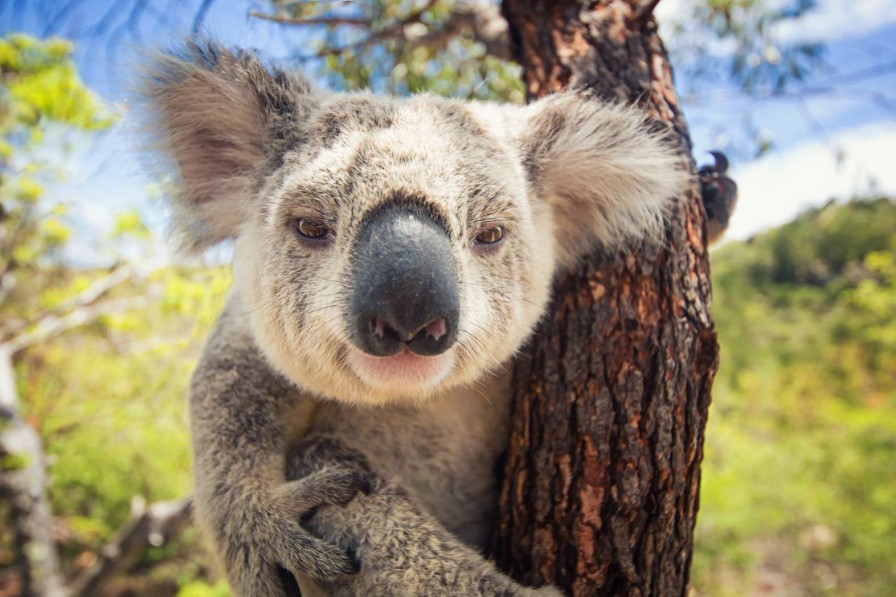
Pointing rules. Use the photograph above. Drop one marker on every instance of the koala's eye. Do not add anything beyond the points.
(490, 236)
(312, 229)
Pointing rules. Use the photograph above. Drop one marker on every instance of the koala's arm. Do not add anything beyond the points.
(402, 549)
(242, 416)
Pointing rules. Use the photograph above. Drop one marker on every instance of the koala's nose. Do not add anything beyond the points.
(405, 293)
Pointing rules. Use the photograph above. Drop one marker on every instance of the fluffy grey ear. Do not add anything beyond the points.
(222, 117)
(607, 173)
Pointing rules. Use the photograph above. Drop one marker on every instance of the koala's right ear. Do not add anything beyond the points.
(222, 117)
(608, 173)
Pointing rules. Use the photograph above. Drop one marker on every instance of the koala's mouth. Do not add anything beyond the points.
(404, 371)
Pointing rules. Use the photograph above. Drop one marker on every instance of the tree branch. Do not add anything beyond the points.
(98, 288)
(200, 15)
(52, 326)
(483, 19)
(392, 31)
(480, 17)
(148, 526)
(309, 21)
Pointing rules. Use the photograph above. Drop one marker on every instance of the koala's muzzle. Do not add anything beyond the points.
(405, 291)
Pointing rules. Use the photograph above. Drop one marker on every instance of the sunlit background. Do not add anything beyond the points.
(103, 320)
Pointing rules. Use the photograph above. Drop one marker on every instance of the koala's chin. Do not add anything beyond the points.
(404, 374)
(333, 368)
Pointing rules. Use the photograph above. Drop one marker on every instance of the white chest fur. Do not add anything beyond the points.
(443, 450)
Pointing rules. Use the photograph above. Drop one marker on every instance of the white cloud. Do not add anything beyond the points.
(828, 21)
(672, 10)
(834, 20)
(777, 187)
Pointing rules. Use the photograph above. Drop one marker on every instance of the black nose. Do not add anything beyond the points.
(405, 291)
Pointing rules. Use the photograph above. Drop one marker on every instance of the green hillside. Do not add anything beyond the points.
(799, 480)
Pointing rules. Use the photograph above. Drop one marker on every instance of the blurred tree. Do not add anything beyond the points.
(40, 89)
(452, 48)
(736, 41)
(75, 398)
(796, 496)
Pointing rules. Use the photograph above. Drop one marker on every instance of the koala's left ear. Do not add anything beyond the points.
(607, 173)
(221, 116)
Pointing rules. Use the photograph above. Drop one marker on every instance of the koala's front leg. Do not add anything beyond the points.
(240, 418)
(402, 550)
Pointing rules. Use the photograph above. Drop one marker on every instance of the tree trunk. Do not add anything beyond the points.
(23, 483)
(601, 485)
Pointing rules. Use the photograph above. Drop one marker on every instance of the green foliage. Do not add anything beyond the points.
(801, 442)
(875, 296)
(108, 397)
(40, 81)
(40, 88)
(130, 224)
(109, 400)
(200, 588)
(820, 245)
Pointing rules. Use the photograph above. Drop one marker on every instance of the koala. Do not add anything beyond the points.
(390, 255)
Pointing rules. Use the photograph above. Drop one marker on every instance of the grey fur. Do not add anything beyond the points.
(397, 472)
(404, 550)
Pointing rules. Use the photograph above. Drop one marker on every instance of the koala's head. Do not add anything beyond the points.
(392, 248)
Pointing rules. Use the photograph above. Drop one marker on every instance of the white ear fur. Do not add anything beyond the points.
(607, 173)
(210, 114)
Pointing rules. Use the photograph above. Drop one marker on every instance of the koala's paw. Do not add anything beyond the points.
(268, 557)
(272, 567)
(404, 550)
(331, 485)
(300, 551)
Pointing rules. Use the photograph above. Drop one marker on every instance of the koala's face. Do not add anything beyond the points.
(396, 252)
(390, 249)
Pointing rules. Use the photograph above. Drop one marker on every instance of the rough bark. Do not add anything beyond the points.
(600, 491)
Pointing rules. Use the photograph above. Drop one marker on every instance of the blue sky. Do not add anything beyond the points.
(838, 144)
